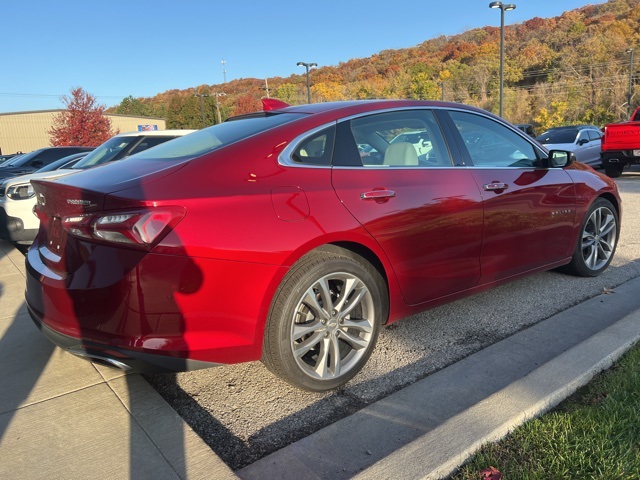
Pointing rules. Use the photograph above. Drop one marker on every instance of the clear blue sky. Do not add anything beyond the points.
(117, 48)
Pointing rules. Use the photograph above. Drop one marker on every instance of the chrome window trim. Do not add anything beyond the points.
(285, 160)
(452, 167)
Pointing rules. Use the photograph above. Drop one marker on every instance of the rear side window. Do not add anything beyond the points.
(218, 136)
(315, 150)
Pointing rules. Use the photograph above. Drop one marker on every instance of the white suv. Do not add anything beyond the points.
(18, 223)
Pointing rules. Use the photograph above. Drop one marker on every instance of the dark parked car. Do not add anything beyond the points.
(527, 128)
(583, 140)
(272, 237)
(17, 198)
(32, 161)
(4, 158)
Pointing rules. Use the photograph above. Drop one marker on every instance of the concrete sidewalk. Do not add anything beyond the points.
(63, 417)
(430, 428)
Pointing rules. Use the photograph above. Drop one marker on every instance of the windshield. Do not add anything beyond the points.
(218, 136)
(70, 160)
(8, 161)
(105, 152)
(558, 136)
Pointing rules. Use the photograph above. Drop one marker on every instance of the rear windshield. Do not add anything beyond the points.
(218, 136)
(558, 136)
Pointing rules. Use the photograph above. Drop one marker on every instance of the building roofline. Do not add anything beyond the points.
(55, 110)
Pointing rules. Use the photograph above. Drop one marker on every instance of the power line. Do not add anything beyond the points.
(46, 95)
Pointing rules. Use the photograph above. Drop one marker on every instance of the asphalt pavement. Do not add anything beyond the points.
(63, 417)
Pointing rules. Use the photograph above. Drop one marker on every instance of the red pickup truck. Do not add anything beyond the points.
(621, 145)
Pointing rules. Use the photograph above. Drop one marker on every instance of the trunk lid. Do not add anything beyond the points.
(84, 194)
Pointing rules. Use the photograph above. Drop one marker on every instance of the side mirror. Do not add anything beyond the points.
(583, 141)
(560, 158)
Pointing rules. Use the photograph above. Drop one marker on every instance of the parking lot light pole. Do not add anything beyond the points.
(307, 66)
(503, 8)
(630, 52)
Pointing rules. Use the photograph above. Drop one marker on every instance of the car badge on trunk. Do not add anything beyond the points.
(84, 203)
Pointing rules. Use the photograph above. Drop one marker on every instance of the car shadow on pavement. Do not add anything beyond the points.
(24, 354)
(33, 372)
(237, 452)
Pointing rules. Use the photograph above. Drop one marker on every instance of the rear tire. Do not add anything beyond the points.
(324, 320)
(597, 241)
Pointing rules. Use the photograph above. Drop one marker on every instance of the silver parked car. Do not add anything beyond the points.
(585, 141)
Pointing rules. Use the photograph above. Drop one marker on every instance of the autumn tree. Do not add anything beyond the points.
(573, 68)
(83, 123)
(246, 104)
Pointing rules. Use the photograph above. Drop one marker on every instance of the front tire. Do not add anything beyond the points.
(324, 320)
(598, 240)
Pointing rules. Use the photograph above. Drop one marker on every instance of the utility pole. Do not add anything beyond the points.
(266, 86)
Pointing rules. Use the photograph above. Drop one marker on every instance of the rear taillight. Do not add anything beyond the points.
(140, 228)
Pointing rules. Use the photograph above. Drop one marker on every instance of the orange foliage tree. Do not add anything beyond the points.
(83, 123)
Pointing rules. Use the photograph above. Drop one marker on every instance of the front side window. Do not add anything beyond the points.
(583, 137)
(491, 144)
(408, 138)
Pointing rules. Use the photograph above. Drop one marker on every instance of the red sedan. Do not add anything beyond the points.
(271, 236)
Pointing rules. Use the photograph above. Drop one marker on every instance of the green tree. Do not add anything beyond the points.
(287, 92)
(133, 106)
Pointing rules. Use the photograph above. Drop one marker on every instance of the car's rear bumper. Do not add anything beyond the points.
(13, 228)
(123, 359)
(149, 311)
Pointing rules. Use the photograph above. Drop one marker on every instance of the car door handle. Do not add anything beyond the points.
(493, 186)
(377, 195)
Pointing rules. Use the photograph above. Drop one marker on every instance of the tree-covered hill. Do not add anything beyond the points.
(574, 68)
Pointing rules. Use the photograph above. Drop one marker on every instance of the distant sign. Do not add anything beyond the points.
(147, 128)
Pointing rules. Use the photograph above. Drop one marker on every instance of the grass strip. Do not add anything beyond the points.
(594, 434)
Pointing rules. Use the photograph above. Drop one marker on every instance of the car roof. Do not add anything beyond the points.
(357, 106)
(572, 127)
(156, 133)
